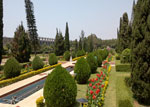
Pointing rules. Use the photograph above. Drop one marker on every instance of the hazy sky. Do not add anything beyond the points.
(100, 17)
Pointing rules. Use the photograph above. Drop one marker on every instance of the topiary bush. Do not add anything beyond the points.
(126, 56)
(92, 62)
(60, 89)
(82, 69)
(67, 55)
(12, 68)
(98, 58)
(53, 59)
(37, 63)
(80, 53)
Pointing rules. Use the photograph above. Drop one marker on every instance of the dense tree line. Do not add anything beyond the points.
(140, 76)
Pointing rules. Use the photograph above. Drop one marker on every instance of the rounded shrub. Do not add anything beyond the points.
(52, 59)
(67, 55)
(37, 63)
(126, 56)
(82, 70)
(12, 68)
(60, 89)
(92, 62)
(99, 60)
(80, 53)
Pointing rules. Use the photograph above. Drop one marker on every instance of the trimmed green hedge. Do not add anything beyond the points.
(24, 76)
(123, 68)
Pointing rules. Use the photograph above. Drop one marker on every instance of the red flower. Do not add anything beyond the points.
(100, 80)
(90, 84)
(97, 91)
(96, 79)
(91, 92)
(98, 75)
(94, 97)
(102, 86)
(94, 87)
(103, 78)
(92, 80)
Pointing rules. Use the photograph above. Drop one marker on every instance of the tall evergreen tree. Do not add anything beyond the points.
(91, 47)
(82, 38)
(140, 75)
(32, 29)
(59, 43)
(80, 44)
(124, 33)
(67, 43)
(1, 29)
(76, 45)
(21, 47)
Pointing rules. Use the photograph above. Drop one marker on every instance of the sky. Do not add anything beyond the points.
(100, 17)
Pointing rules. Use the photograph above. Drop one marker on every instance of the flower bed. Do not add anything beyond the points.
(74, 59)
(97, 86)
(26, 75)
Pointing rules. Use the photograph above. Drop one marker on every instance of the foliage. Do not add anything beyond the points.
(1, 29)
(92, 62)
(53, 59)
(37, 63)
(76, 45)
(124, 34)
(140, 52)
(60, 89)
(67, 43)
(80, 53)
(98, 58)
(40, 102)
(117, 57)
(67, 55)
(82, 70)
(123, 68)
(73, 54)
(24, 76)
(11, 68)
(126, 56)
(31, 25)
(21, 47)
(59, 43)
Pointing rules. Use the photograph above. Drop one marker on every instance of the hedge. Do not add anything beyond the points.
(24, 76)
(123, 68)
(74, 59)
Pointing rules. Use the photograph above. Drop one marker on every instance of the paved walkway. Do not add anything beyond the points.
(29, 101)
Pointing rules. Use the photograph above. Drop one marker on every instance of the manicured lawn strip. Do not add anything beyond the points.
(110, 96)
(123, 93)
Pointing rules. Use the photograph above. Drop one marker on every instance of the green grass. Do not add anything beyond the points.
(110, 96)
(123, 93)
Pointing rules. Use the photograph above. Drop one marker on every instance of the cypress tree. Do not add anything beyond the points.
(1, 29)
(140, 75)
(32, 29)
(82, 39)
(59, 43)
(67, 43)
(21, 48)
(91, 47)
(124, 33)
(80, 44)
(76, 45)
